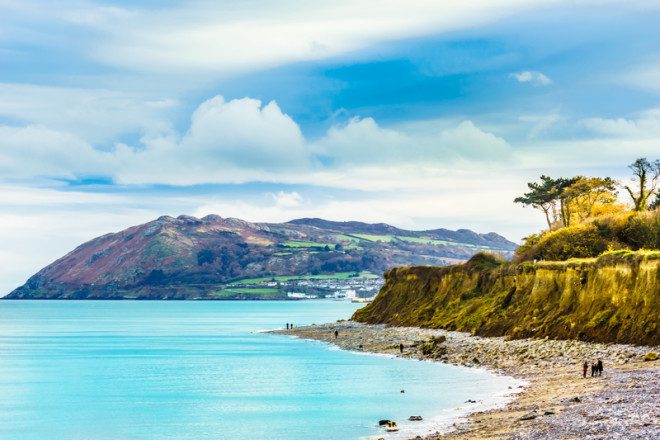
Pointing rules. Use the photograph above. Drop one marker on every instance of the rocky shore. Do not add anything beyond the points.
(558, 403)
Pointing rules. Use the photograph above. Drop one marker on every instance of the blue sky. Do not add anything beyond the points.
(420, 114)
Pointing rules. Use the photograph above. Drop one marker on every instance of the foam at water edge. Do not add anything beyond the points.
(447, 418)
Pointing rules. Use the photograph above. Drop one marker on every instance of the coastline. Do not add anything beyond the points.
(623, 403)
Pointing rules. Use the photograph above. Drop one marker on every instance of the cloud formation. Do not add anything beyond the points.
(532, 77)
(36, 151)
(233, 141)
(204, 37)
(94, 114)
(644, 124)
(243, 140)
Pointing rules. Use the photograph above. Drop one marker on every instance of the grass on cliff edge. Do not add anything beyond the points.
(605, 258)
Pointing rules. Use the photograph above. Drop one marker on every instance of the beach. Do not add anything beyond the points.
(556, 402)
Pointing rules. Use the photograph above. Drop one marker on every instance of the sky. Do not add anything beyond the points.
(421, 114)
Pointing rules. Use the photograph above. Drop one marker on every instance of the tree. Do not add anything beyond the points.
(582, 196)
(656, 203)
(547, 195)
(646, 175)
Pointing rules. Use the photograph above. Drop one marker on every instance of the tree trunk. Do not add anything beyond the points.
(547, 217)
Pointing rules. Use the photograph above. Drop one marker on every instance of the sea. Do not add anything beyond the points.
(206, 370)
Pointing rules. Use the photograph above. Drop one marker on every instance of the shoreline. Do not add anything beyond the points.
(623, 403)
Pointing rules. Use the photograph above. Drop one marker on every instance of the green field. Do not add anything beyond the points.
(336, 276)
(426, 241)
(306, 244)
(260, 292)
(421, 240)
(370, 237)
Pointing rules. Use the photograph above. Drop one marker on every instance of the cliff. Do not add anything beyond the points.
(613, 298)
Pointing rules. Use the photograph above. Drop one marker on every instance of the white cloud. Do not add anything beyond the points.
(532, 77)
(645, 124)
(97, 115)
(243, 140)
(201, 37)
(233, 141)
(364, 142)
(35, 151)
(287, 200)
(540, 124)
(645, 76)
(469, 142)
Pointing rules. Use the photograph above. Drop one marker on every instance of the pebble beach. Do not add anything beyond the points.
(558, 402)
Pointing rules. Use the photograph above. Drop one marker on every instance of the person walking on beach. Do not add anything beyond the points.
(400, 348)
(593, 368)
(287, 326)
(336, 334)
(585, 367)
(599, 367)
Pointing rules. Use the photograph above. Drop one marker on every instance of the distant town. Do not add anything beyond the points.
(356, 287)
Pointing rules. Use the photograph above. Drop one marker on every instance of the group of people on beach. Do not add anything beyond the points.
(289, 326)
(596, 368)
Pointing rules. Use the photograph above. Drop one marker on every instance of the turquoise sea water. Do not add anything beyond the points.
(202, 370)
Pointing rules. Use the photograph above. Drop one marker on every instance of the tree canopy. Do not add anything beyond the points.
(569, 201)
(585, 216)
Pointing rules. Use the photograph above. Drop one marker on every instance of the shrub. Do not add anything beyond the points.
(572, 242)
(484, 261)
(631, 230)
(641, 231)
(527, 251)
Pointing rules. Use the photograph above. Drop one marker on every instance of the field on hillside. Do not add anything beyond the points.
(336, 276)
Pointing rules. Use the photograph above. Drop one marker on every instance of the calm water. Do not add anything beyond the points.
(200, 370)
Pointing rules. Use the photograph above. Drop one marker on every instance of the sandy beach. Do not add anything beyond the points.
(557, 403)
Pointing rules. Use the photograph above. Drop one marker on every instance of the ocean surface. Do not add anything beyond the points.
(202, 370)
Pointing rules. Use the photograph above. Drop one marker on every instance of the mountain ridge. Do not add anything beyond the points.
(189, 257)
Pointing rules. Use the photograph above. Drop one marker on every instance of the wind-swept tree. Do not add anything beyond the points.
(646, 175)
(546, 195)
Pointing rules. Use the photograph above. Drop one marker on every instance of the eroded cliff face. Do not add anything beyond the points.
(615, 298)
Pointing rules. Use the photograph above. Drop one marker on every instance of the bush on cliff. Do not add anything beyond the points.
(484, 261)
(572, 242)
(630, 230)
(641, 231)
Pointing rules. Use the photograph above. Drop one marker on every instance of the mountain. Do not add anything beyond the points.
(188, 257)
